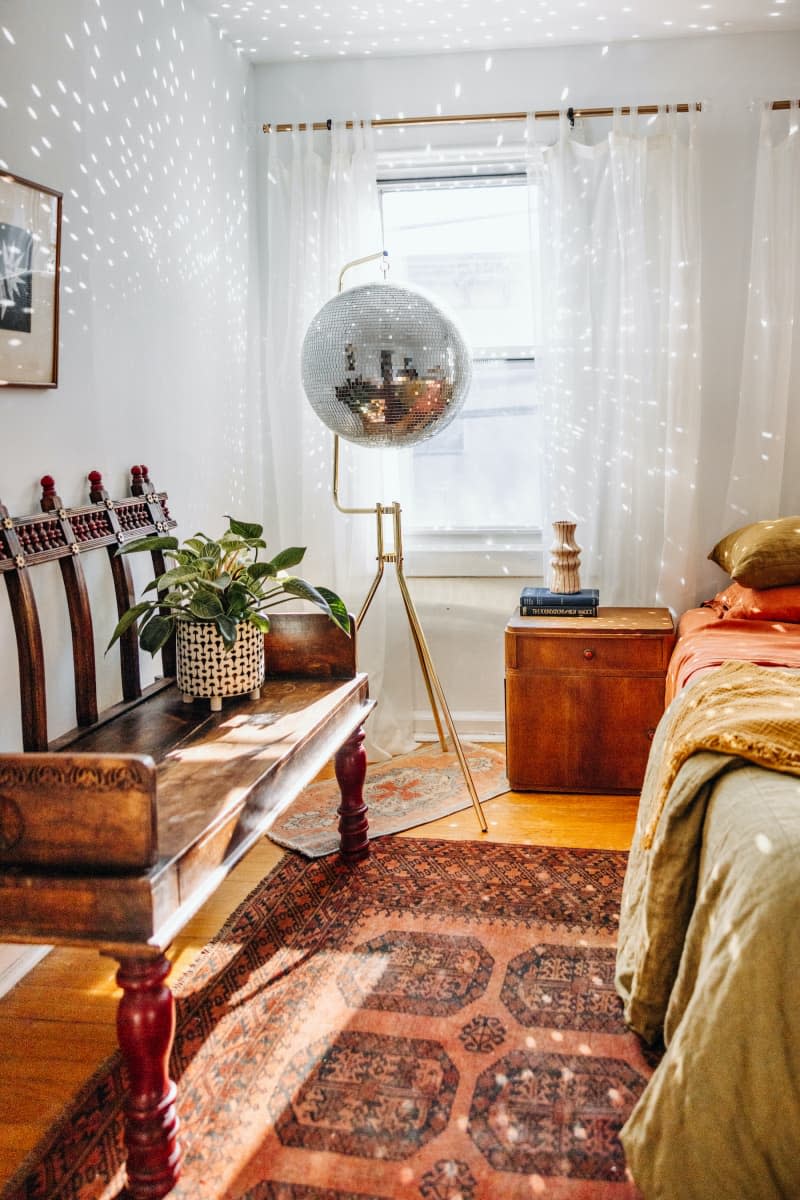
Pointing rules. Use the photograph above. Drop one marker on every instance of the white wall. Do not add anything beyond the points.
(464, 619)
(140, 115)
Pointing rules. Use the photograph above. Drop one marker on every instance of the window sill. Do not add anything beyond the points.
(484, 553)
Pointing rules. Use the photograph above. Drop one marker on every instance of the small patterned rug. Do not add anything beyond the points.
(437, 1023)
(406, 791)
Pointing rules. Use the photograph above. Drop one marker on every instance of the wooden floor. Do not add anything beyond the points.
(58, 1024)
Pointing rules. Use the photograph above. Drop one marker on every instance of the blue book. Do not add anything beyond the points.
(532, 598)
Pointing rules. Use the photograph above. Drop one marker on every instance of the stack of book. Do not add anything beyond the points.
(541, 602)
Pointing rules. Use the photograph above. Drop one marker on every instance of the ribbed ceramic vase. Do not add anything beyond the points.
(565, 557)
(206, 669)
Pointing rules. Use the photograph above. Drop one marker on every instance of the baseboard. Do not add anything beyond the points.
(19, 964)
(470, 726)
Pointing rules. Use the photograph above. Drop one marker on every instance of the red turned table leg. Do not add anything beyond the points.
(351, 769)
(145, 1028)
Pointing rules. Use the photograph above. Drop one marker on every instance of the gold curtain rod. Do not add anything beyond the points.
(550, 114)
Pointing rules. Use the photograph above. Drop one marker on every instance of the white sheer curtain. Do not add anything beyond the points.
(322, 212)
(617, 252)
(765, 481)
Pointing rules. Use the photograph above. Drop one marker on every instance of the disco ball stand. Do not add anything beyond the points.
(383, 366)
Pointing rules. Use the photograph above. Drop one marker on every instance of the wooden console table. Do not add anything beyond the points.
(112, 837)
(583, 698)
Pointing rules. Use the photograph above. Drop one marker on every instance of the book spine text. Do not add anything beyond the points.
(532, 610)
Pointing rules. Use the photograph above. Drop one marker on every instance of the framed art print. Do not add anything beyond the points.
(30, 259)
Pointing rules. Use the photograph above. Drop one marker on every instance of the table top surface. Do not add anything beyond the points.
(608, 620)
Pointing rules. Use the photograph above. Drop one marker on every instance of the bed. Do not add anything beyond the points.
(709, 944)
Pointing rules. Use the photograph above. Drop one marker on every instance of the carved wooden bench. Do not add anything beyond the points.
(112, 836)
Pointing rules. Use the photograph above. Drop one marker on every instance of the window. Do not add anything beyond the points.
(475, 485)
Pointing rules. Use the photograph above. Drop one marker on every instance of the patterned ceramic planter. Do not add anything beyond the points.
(206, 668)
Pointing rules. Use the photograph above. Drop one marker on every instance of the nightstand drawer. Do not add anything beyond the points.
(583, 650)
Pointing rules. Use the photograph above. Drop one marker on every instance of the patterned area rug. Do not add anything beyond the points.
(404, 792)
(438, 1023)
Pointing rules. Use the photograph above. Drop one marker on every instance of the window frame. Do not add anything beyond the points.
(468, 552)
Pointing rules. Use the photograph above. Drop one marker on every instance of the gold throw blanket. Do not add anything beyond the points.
(742, 709)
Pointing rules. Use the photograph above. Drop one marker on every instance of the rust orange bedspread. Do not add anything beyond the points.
(706, 641)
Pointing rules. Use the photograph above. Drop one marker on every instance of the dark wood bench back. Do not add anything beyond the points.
(65, 535)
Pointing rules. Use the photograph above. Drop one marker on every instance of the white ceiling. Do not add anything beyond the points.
(294, 30)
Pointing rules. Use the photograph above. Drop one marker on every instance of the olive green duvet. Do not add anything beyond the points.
(709, 956)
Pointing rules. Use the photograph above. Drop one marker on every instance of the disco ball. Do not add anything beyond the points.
(383, 366)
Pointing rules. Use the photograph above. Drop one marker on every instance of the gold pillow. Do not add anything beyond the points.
(763, 555)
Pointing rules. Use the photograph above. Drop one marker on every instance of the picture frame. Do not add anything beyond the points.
(30, 269)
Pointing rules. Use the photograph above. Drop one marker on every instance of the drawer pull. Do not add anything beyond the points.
(588, 654)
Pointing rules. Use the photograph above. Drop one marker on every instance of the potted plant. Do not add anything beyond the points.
(215, 598)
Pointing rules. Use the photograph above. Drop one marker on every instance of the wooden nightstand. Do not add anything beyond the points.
(583, 698)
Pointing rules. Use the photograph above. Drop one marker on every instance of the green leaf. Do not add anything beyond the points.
(227, 628)
(195, 545)
(127, 619)
(206, 605)
(258, 570)
(171, 600)
(155, 633)
(182, 557)
(148, 543)
(338, 609)
(177, 575)
(299, 587)
(238, 600)
(288, 558)
(220, 582)
(244, 528)
(259, 621)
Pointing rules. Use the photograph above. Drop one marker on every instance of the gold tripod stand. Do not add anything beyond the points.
(433, 686)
